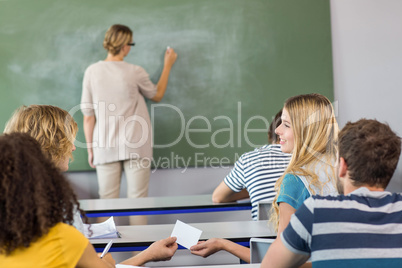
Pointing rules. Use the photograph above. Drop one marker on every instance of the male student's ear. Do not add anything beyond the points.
(343, 168)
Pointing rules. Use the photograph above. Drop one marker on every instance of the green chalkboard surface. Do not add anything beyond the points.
(238, 61)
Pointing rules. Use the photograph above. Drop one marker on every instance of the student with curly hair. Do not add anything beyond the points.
(55, 130)
(36, 210)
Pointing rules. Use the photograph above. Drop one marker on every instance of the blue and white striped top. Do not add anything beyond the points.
(258, 171)
(362, 229)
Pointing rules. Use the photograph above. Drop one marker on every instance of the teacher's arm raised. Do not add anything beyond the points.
(170, 58)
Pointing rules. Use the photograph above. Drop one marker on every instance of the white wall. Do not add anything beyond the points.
(367, 58)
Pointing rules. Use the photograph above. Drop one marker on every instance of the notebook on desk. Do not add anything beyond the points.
(106, 229)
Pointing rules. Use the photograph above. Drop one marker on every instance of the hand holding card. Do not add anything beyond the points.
(187, 236)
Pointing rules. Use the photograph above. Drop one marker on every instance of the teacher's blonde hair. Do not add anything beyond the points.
(116, 37)
(315, 133)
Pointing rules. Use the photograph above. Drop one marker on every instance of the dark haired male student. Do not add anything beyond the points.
(362, 227)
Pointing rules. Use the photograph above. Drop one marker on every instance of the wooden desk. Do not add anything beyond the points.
(157, 205)
(139, 237)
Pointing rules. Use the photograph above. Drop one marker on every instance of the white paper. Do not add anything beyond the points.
(78, 224)
(106, 229)
(187, 235)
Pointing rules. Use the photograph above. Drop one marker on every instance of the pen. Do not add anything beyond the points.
(106, 249)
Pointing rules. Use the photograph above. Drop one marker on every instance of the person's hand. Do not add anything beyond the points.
(91, 158)
(162, 250)
(170, 57)
(207, 248)
(108, 259)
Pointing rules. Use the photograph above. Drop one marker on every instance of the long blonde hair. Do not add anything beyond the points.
(315, 133)
(54, 128)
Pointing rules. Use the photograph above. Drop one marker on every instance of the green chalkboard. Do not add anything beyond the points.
(238, 61)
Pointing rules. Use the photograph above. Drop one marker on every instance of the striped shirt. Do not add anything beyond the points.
(258, 171)
(362, 229)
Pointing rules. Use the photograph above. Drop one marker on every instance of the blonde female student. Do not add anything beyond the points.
(309, 132)
(52, 207)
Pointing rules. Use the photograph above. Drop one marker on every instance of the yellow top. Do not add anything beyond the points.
(62, 247)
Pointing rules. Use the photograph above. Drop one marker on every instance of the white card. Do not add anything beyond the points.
(187, 235)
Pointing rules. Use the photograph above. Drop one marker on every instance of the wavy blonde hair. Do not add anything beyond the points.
(315, 133)
(54, 128)
(116, 37)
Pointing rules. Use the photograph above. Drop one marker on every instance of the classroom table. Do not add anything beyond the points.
(139, 237)
(158, 205)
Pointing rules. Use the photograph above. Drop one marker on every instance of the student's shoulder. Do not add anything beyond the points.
(61, 226)
(269, 150)
(252, 156)
(272, 151)
(68, 231)
(292, 181)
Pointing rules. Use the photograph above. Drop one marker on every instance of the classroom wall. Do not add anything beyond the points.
(367, 63)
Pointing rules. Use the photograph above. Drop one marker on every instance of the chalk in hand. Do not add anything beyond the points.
(168, 47)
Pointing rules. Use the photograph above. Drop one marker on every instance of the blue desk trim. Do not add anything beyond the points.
(90, 214)
(141, 248)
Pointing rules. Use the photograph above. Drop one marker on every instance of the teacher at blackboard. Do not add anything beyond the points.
(117, 124)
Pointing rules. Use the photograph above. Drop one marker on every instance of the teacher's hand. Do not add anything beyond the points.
(170, 57)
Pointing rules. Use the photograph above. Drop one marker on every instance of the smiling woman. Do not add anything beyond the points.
(309, 131)
(285, 132)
